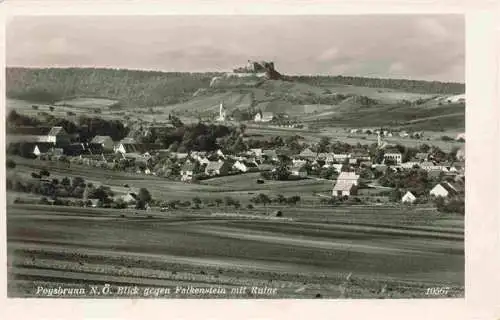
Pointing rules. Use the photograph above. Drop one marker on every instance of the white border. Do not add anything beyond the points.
(482, 223)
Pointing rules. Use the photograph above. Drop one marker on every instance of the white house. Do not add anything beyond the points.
(430, 166)
(409, 165)
(307, 154)
(42, 148)
(299, 171)
(244, 166)
(344, 188)
(408, 198)
(216, 168)
(298, 162)
(351, 177)
(397, 157)
(263, 116)
(444, 190)
(341, 156)
(256, 152)
(187, 172)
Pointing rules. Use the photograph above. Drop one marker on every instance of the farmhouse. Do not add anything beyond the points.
(256, 152)
(187, 171)
(430, 166)
(105, 142)
(130, 198)
(263, 116)
(270, 154)
(42, 148)
(215, 168)
(245, 166)
(75, 149)
(341, 156)
(299, 171)
(350, 177)
(344, 188)
(444, 190)
(408, 198)
(397, 157)
(58, 136)
(307, 154)
(409, 165)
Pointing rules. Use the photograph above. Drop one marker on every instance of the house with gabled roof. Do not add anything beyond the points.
(245, 166)
(215, 168)
(187, 171)
(58, 136)
(344, 188)
(444, 189)
(307, 154)
(42, 148)
(349, 176)
(270, 154)
(263, 116)
(408, 197)
(299, 171)
(106, 143)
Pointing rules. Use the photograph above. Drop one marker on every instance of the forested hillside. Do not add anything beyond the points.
(130, 87)
(416, 86)
(154, 88)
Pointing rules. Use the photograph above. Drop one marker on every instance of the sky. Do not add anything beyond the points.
(421, 47)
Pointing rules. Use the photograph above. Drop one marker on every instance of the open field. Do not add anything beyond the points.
(299, 259)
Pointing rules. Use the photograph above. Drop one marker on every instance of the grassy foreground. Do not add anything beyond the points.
(236, 256)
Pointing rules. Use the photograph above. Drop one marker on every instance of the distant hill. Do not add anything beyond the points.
(130, 87)
(320, 100)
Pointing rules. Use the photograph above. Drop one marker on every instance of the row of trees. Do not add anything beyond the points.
(418, 86)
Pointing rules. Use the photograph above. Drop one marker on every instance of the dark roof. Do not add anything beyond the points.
(95, 148)
(44, 147)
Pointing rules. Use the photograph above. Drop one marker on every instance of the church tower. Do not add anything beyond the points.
(222, 112)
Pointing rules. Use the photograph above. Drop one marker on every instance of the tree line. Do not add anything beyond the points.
(417, 86)
(131, 87)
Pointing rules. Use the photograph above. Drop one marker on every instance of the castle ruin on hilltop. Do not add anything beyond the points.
(260, 67)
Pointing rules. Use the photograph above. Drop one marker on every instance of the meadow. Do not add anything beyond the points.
(299, 259)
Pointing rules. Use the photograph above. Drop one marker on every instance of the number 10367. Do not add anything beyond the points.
(439, 291)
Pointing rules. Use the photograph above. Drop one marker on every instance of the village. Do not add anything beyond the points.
(379, 173)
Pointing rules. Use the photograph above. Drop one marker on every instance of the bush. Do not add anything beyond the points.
(250, 206)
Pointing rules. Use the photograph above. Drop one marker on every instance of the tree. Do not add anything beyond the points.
(261, 198)
(323, 144)
(218, 202)
(197, 201)
(293, 200)
(44, 172)
(51, 108)
(144, 198)
(65, 182)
